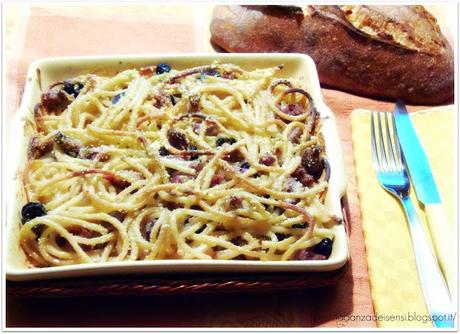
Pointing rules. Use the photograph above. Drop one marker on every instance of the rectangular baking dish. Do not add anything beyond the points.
(46, 71)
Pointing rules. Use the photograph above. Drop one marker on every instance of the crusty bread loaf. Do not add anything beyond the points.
(380, 51)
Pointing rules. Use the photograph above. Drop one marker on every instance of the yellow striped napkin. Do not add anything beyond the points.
(396, 292)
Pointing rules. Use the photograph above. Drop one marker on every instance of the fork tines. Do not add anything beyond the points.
(386, 152)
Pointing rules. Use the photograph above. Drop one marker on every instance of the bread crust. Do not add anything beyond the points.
(363, 51)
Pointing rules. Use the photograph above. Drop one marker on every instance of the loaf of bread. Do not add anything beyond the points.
(379, 51)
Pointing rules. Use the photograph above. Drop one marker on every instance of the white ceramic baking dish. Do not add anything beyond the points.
(46, 71)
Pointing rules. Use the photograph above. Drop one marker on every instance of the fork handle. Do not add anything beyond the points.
(443, 234)
(433, 286)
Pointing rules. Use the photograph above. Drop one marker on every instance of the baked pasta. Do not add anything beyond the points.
(212, 162)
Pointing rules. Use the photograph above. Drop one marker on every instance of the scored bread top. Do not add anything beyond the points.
(410, 27)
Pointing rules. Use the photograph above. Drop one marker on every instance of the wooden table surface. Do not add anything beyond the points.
(58, 30)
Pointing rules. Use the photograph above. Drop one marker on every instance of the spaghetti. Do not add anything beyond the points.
(212, 162)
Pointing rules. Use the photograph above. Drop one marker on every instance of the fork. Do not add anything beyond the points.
(391, 172)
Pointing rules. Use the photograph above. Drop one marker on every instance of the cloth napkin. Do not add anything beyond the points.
(396, 292)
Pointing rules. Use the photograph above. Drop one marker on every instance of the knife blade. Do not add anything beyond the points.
(427, 193)
(417, 162)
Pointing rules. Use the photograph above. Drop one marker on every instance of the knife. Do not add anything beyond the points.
(442, 233)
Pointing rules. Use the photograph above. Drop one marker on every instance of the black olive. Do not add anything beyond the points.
(324, 247)
(117, 97)
(32, 210)
(163, 151)
(238, 241)
(193, 156)
(281, 236)
(303, 225)
(163, 68)
(72, 88)
(148, 228)
(222, 140)
(211, 72)
(245, 166)
(201, 229)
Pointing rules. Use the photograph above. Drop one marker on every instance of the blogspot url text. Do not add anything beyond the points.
(409, 316)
